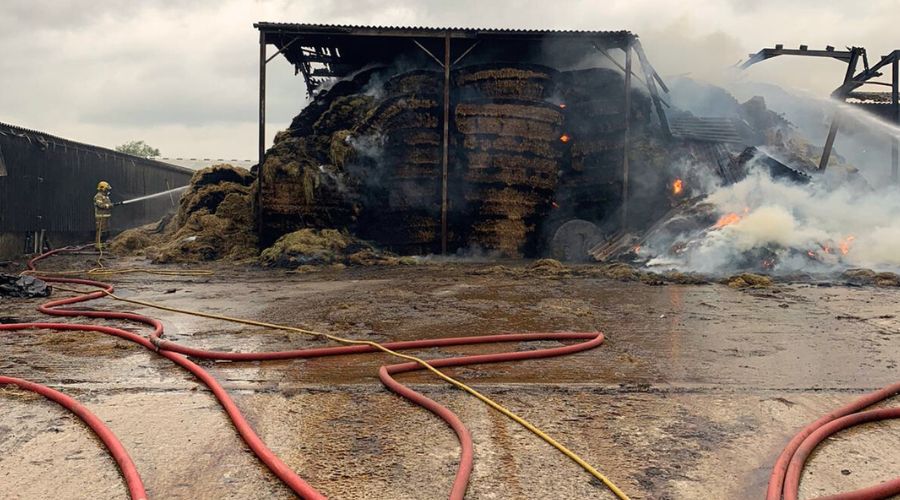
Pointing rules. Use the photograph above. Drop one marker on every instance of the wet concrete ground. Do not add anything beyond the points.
(693, 395)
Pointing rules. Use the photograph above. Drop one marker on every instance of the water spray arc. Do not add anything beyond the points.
(151, 196)
(889, 109)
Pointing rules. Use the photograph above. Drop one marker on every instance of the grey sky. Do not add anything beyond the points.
(183, 75)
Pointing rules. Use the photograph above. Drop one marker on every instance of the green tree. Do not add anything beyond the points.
(138, 148)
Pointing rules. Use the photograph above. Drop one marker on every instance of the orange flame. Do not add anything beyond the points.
(844, 245)
(563, 106)
(726, 220)
(677, 187)
(565, 138)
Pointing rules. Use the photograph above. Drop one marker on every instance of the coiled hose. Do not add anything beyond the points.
(785, 479)
(178, 354)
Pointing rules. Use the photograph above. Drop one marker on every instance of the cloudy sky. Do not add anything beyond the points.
(183, 75)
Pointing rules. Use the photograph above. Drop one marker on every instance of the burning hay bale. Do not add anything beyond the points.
(366, 156)
(887, 279)
(301, 188)
(590, 181)
(303, 180)
(859, 276)
(399, 165)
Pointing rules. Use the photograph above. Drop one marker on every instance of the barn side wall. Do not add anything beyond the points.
(48, 183)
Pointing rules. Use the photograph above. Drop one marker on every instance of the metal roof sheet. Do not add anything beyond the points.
(349, 28)
(45, 138)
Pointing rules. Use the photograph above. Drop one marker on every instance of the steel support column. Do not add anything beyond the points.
(445, 142)
(649, 74)
(262, 97)
(829, 141)
(895, 102)
(627, 138)
(262, 128)
(835, 122)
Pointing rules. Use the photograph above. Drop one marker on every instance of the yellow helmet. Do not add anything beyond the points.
(103, 186)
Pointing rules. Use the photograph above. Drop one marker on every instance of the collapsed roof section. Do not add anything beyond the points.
(324, 51)
(881, 104)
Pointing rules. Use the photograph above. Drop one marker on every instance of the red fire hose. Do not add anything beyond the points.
(785, 479)
(112, 443)
(178, 354)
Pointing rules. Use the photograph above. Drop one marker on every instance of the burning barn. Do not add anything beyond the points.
(523, 144)
(429, 140)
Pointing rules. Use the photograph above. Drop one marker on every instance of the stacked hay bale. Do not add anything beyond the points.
(402, 174)
(303, 182)
(591, 182)
(509, 159)
(366, 156)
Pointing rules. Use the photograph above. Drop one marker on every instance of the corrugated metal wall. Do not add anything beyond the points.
(49, 183)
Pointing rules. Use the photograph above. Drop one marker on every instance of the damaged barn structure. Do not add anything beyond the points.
(516, 142)
(429, 140)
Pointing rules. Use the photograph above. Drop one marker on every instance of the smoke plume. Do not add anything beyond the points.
(783, 227)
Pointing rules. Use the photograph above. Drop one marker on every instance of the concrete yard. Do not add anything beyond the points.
(694, 393)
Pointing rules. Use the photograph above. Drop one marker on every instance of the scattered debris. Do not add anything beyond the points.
(619, 271)
(862, 276)
(493, 270)
(548, 266)
(680, 278)
(13, 285)
(749, 280)
(312, 247)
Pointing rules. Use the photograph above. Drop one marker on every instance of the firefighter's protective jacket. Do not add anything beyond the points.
(102, 205)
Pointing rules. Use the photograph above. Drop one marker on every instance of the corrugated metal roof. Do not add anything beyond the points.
(323, 51)
(432, 29)
(349, 29)
(716, 129)
(43, 137)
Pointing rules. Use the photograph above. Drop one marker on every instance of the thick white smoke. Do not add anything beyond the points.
(785, 227)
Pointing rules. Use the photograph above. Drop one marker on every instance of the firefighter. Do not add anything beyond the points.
(102, 210)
